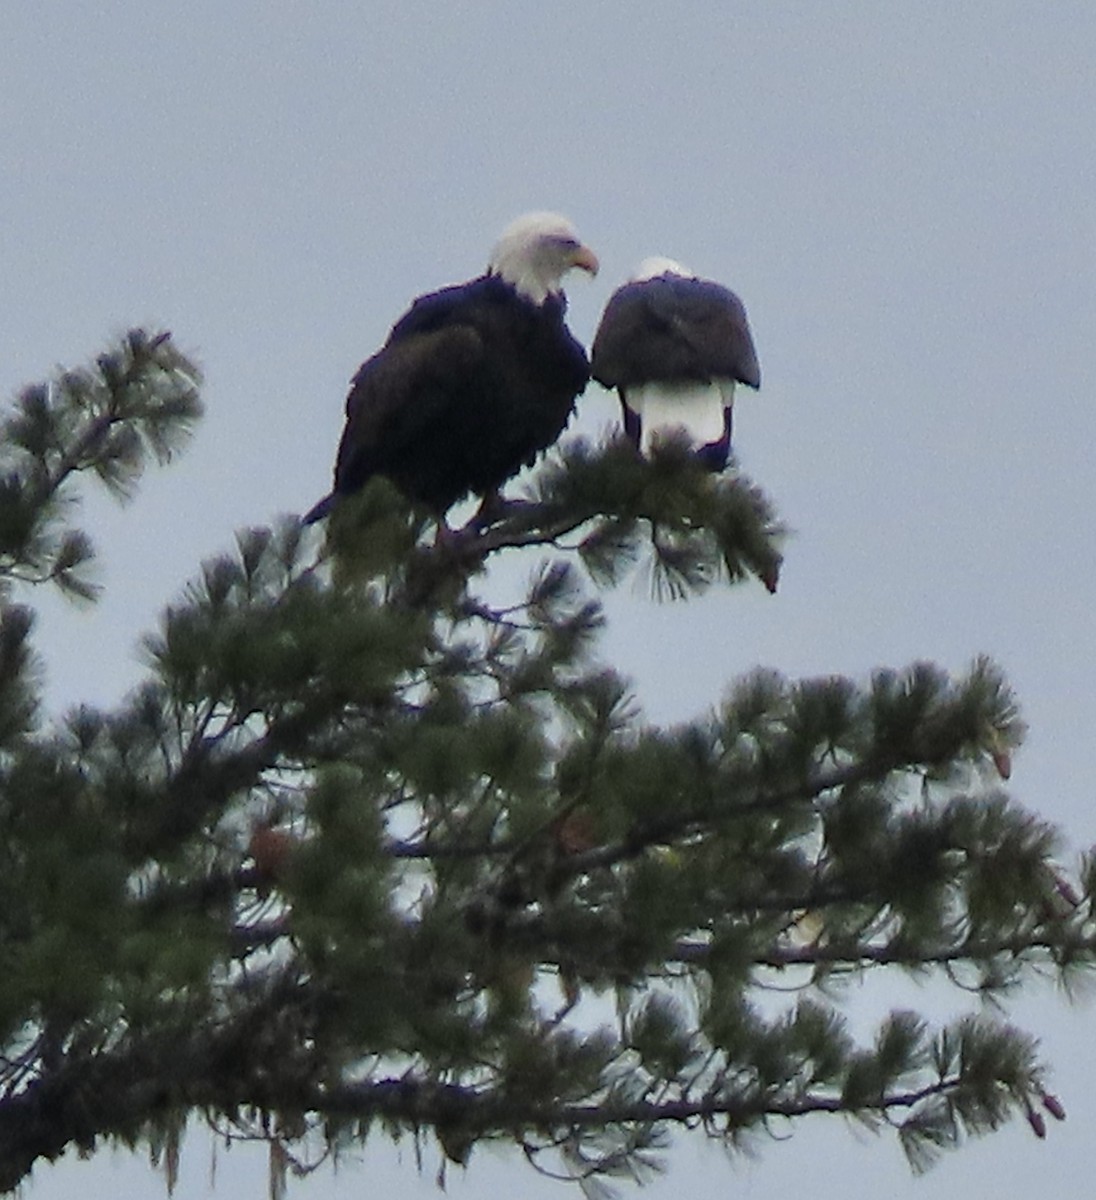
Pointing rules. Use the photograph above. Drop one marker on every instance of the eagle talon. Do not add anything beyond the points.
(494, 509)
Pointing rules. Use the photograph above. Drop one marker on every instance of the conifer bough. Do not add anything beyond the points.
(371, 850)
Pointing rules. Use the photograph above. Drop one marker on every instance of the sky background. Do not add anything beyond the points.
(903, 194)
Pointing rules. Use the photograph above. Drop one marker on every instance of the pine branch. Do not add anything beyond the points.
(698, 527)
(484, 1114)
(119, 1092)
(422, 809)
(857, 955)
(257, 1060)
(140, 402)
(209, 776)
(517, 534)
(677, 826)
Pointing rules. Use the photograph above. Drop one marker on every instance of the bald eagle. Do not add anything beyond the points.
(674, 346)
(474, 380)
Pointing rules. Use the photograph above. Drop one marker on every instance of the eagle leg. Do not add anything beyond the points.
(493, 508)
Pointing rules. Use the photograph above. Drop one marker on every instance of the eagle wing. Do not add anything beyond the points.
(399, 396)
(674, 328)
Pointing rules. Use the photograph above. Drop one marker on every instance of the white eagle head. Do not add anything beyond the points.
(656, 265)
(536, 251)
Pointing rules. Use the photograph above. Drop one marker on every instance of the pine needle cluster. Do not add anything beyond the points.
(368, 851)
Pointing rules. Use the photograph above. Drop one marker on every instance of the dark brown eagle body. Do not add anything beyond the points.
(474, 380)
(472, 383)
(674, 347)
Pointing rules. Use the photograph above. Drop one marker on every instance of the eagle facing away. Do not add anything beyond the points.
(674, 346)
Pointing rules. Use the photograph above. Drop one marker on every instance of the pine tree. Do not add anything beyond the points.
(369, 850)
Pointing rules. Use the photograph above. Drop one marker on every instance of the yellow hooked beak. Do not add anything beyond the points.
(586, 259)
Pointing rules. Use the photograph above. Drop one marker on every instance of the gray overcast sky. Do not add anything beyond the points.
(903, 195)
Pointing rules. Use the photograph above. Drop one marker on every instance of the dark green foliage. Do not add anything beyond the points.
(138, 403)
(699, 526)
(368, 850)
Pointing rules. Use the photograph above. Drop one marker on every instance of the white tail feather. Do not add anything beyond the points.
(695, 407)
